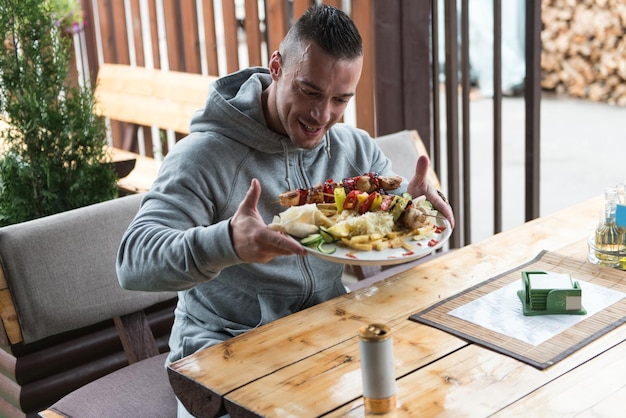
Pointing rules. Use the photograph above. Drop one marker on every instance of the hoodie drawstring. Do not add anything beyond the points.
(327, 145)
(286, 152)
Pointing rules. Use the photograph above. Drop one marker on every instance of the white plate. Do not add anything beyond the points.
(391, 256)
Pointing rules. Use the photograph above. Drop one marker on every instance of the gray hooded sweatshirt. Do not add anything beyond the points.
(180, 241)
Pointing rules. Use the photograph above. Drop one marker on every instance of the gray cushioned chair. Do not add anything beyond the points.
(65, 320)
(139, 390)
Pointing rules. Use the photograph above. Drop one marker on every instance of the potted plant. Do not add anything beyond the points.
(54, 155)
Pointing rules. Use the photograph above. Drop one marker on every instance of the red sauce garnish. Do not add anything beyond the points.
(433, 242)
(439, 229)
(408, 253)
(350, 255)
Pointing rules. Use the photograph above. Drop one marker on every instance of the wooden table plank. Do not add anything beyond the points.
(596, 388)
(266, 366)
(477, 382)
(415, 346)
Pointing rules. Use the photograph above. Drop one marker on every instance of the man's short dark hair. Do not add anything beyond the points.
(328, 27)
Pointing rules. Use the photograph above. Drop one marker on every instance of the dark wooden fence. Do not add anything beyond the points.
(399, 88)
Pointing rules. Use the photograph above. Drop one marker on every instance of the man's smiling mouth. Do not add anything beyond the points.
(309, 128)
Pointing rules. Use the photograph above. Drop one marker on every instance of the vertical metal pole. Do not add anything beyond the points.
(532, 96)
(465, 105)
(497, 116)
(435, 87)
(452, 110)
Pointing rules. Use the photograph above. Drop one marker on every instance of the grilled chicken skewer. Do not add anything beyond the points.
(323, 193)
(370, 184)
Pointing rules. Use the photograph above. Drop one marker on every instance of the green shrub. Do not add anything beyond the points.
(55, 147)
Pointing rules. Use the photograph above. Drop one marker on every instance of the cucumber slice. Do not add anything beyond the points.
(323, 249)
(312, 240)
(399, 208)
(326, 235)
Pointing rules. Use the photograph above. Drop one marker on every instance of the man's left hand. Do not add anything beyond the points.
(419, 185)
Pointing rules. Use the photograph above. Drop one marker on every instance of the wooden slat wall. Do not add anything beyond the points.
(205, 37)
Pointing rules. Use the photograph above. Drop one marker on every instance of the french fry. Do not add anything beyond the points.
(359, 239)
(381, 245)
(422, 232)
(376, 242)
(396, 242)
(406, 246)
(328, 209)
(357, 245)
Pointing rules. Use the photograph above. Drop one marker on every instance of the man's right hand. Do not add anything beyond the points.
(254, 242)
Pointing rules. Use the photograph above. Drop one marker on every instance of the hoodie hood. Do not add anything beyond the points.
(234, 109)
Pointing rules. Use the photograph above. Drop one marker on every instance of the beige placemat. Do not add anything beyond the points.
(554, 349)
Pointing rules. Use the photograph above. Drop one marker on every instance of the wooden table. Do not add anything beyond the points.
(307, 364)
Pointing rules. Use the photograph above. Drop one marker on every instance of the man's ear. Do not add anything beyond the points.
(275, 65)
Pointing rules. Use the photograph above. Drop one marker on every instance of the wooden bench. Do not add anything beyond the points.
(64, 319)
(147, 98)
(143, 172)
(150, 97)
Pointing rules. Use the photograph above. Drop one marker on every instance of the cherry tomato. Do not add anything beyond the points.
(352, 200)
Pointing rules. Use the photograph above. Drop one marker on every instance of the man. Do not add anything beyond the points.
(202, 228)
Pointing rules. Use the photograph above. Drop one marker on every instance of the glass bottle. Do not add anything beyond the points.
(620, 208)
(620, 220)
(609, 238)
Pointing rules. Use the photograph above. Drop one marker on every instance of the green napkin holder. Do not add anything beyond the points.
(545, 293)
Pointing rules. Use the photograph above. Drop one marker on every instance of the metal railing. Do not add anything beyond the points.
(408, 94)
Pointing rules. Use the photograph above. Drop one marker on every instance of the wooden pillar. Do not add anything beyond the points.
(403, 70)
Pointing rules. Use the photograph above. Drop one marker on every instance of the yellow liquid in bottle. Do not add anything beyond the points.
(609, 243)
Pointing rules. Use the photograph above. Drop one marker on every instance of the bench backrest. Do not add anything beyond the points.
(58, 272)
(150, 97)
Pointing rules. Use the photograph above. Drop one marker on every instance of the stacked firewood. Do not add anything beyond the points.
(584, 49)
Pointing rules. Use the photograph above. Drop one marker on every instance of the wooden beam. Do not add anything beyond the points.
(363, 17)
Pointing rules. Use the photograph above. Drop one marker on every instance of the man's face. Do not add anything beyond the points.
(312, 92)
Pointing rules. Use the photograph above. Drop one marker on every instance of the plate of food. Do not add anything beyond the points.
(358, 221)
